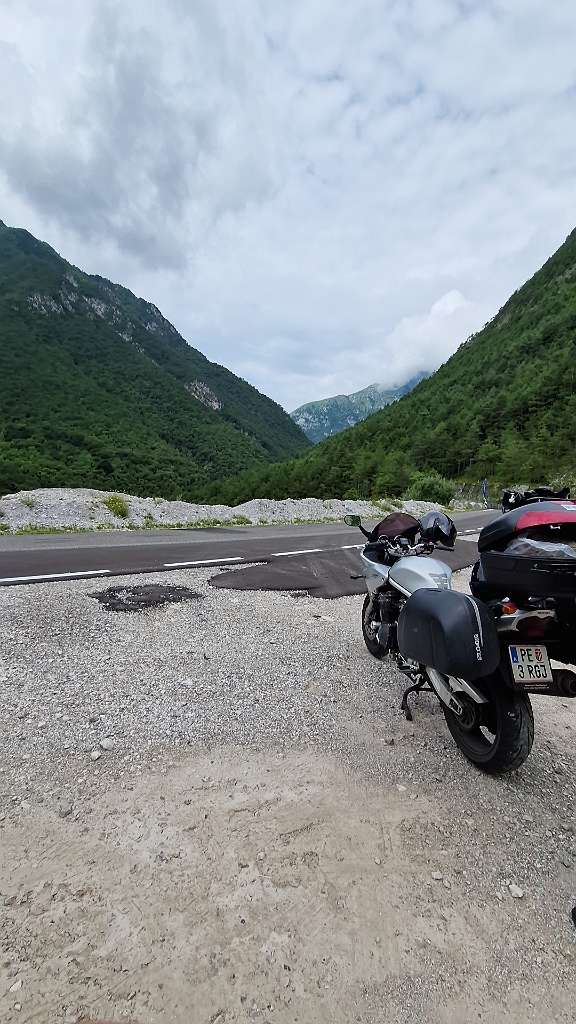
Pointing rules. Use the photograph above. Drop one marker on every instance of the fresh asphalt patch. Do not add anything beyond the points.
(323, 573)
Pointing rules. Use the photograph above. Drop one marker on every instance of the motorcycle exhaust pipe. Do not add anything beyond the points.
(564, 682)
(562, 685)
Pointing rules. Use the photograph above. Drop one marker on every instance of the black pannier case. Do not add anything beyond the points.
(449, 631)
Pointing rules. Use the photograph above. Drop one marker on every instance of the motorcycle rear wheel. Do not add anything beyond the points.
(496, 737)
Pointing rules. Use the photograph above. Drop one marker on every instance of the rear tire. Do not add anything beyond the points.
(503, 739)
(370, 628)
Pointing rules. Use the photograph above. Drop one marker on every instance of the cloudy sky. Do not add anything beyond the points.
(317, 195)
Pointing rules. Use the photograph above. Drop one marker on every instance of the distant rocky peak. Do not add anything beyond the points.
(330, 416)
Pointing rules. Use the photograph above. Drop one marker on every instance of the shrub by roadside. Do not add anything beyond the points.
(431, 487)
(117, 505)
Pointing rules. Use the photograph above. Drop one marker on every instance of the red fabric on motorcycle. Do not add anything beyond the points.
(537, 517)
(397, 524)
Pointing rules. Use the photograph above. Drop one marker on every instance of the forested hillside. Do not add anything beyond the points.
(504, 407)
(329, 416)
(97, 389)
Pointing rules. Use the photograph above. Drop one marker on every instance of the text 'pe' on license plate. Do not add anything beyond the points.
(530, 664)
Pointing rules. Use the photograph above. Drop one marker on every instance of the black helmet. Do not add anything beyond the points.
(437, 528)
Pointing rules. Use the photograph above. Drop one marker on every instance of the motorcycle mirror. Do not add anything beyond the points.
(353, 521)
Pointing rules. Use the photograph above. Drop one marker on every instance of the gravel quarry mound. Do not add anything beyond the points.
(66, 508)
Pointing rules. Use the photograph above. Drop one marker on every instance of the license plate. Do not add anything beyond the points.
(530, 664)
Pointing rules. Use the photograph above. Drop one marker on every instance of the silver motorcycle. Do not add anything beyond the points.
(446, 642)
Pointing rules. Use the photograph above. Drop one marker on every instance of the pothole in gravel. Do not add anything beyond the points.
(138, 599)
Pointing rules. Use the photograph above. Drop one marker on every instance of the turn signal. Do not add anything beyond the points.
(509, 608)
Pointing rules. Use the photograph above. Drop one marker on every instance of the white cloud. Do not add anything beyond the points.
(318, 195)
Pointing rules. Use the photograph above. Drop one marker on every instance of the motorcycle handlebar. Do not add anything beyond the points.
(400, 549)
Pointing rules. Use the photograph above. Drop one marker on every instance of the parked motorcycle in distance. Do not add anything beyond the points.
(514, 499)
(481, 654)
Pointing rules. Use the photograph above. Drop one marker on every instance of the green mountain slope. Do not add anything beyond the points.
(504, 406)
(329, 416)
(98, 389)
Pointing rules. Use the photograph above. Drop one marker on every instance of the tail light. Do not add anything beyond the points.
(533, 626)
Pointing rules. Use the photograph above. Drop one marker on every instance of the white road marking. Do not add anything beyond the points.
(202, 561)
(54, 576)
(307, 551)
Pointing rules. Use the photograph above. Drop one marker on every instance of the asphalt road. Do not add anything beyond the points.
(45, 558)
(326, 573)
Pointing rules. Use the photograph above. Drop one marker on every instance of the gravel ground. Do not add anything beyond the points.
(212, 810)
